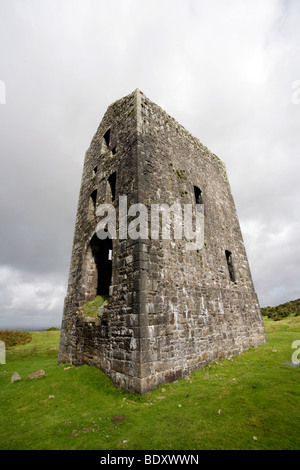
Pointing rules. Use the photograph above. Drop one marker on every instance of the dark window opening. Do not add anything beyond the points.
(94, 199)
(107, 137)
(198, 195)
(112, 184)
(114, 150)
(102, 253)
(95, 171)
(230, 265)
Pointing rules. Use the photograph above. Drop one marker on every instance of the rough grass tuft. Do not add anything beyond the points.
(13, 338)
(91, 308)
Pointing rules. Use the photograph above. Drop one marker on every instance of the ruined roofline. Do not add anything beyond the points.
(137, 95)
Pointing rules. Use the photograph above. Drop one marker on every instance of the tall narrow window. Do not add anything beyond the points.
(102, 257)
(107, 138)
(94, 199)
(112, 184)
(230, 265)
(198, 195)
(92, 205)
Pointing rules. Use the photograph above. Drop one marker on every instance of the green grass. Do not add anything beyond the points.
(91, 308)
(223, 406)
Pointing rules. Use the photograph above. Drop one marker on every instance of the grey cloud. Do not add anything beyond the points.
(224, 70)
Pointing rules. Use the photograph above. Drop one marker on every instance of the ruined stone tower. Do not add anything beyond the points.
(171, 310)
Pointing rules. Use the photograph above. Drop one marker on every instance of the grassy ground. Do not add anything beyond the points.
(250, 401)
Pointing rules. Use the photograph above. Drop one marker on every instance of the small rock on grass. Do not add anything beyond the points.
(37, 374)
(15, 377)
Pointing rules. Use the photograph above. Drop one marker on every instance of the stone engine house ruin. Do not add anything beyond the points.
(170, 310)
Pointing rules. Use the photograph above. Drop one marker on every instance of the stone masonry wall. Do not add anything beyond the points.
(104, 342)
(196, 313)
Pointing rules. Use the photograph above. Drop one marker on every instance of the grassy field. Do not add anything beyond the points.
(250, 401)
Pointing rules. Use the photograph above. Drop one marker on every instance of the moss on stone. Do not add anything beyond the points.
(91, 308)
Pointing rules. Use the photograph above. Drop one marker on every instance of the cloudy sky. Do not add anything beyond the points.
(228, 71)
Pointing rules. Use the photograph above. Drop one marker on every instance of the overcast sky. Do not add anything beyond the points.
(228, 71)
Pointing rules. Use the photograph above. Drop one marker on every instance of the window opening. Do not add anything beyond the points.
(94, 199)
(107, 137)
(95, 171)
(198, 195)
(230, 265)
(112, 184)
(102, 253)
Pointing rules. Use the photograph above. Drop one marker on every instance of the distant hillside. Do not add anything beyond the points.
(283, 310)
(13, 338)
